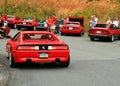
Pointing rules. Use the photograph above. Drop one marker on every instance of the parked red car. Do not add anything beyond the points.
(12, 20)
(102, 31)
(72, 28)
(37, 46)
(28, 23)
(75, 25)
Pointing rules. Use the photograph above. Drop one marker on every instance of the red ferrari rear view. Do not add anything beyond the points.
(37, 46)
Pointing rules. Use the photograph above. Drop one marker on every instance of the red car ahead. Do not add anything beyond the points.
(75, 25)
(12, 20)
(72, 28)
(101, 31)
(37, 46)
(28, 23)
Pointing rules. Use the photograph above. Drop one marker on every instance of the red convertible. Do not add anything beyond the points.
(102, 31)
(38, 47)
(28, 23)
(73, 26)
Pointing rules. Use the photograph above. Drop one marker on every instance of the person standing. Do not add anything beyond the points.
(49, 23)
(5, 18)
(116, 22)
(108, 21)
(54, 20)
(95, 19)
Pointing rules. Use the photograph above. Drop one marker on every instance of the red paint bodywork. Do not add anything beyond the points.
(78, 30)
(14, 46)
(71, 28)
(27, 23)
(104, 31)
(12, 19)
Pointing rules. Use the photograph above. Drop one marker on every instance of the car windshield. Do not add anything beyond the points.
(35, 36)
(101, 25)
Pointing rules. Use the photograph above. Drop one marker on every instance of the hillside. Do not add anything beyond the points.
(42, 8)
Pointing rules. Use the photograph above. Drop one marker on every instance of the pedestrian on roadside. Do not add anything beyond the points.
(5, 18)
(91, 20)
(108, 21)
(49, 22)
(53, 26)
(95, 19)
(116, 22)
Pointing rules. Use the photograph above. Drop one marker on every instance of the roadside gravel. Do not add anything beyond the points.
(4, 75)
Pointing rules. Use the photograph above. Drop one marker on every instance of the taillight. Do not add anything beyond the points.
(57, 47)
(28, 48)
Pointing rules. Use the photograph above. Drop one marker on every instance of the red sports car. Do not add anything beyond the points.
(28, 23)
(101, 31)
(37, 46)
(12, 20)
(74, 25)
(72, 28)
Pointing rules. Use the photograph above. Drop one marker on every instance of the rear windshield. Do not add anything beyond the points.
(72, 24)
(29, 36)
(101, 25)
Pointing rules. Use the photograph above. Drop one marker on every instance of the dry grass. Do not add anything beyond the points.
(102, 8)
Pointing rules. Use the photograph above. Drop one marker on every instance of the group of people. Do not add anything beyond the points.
(115, 21)
(94, 21)
(51, 23)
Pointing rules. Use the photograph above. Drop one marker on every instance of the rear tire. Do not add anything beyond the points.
(11, 60)
(112, 38)
(92, 39)
(66, 64)
(62, 34)
(14, 26)
(81, 34)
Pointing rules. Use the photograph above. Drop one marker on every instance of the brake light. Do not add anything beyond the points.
(28, 48)
(57, 47)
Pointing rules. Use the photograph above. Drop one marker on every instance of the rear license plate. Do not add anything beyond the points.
(43, 55)
(98, 32)
(24, 22)
(70, 28)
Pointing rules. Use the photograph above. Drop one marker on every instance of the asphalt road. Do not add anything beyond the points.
(92, 64)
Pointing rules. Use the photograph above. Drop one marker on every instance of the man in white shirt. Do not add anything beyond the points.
(116, 22)
(108, 21)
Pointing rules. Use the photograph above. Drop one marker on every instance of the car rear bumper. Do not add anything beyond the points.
(99, 36)
(21, 56)
(71, 31)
